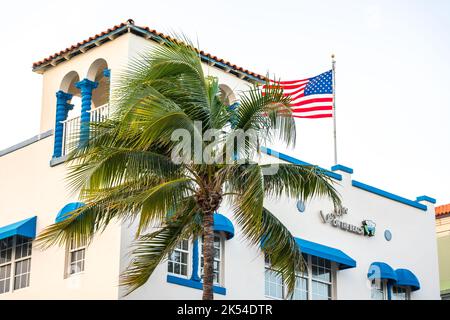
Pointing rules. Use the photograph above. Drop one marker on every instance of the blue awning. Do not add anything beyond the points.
(328, 253)
(222, 223)
(381, 270)
(25, 228)
(64, 213)
(407, 279)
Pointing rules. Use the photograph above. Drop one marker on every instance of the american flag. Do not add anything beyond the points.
(311, 98)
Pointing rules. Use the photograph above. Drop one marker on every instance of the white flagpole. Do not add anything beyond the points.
(333, 61)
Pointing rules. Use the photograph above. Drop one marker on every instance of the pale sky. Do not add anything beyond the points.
(393, 71)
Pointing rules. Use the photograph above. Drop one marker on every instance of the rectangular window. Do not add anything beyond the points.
(15, 263)
(301, 289)
(179, 259)
(77, 256)
(321, 279)
(314, 283)
(274, 284)
(400, 293)
(217, 259)
(378, 290)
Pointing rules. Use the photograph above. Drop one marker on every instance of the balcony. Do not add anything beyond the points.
(71, 128)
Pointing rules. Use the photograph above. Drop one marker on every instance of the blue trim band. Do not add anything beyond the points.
(194, 284)
(388, 195)
(293, 160)
(426, 198)
(342, 168)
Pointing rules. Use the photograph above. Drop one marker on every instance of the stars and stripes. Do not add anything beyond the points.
(310, 98)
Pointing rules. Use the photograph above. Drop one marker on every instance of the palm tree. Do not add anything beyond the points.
(133, 168)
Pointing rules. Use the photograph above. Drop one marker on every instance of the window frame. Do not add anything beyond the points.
(268, 267)
(383, 286)
(71, 248)
(405, 288)
(308, 275)
(14, 261)
(189, 253)
(221, 259)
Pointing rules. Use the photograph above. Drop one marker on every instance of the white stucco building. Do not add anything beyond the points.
(392, 256)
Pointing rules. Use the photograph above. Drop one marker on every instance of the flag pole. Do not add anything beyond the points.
(333, 62)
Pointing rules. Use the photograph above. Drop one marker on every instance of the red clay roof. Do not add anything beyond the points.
(442, 210)
(125, 27)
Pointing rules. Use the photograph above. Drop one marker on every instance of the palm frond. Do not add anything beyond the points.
(300, 182)
(152, 249)
(280, 246)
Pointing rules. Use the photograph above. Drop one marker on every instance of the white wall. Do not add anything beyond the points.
(30, 187)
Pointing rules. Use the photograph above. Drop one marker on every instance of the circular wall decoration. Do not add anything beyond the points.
(300, 206)
(388, 235)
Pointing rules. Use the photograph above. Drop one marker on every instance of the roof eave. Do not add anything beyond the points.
(81, 49)
(149, 35)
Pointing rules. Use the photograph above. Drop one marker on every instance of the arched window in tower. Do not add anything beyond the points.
(99, 73)
(68, 110)
(227, 95)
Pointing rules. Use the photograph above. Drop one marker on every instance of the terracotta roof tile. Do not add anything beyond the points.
(443, 210)
(130, 24)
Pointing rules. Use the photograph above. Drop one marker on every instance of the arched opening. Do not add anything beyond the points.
(68, 86)
(227, 95)
(100, 96)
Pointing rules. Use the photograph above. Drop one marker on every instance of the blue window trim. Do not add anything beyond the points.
(342, 168)
(194, 284)
(293, 160)
(388, 195)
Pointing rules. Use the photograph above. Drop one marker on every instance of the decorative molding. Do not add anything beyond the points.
(57, 161)
(427, 199)
(26, 143)
(342, 168)
(388, 195)
(293, 160)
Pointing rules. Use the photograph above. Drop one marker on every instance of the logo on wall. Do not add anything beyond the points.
(336, 220)
(369, 228)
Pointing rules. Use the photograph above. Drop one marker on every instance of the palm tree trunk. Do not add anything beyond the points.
(208, 256)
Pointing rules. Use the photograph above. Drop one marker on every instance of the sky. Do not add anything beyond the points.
(392, 71)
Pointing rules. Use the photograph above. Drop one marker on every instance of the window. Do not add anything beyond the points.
(217, 258)
(321, 279)
(400, 293)
(314, 283)
(77, 256)
(180, 263)
(15, 263)
(274, 284)
(378, 290)
(178, 259)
